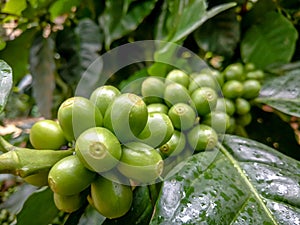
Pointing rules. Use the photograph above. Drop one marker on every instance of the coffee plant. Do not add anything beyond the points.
(149, 112)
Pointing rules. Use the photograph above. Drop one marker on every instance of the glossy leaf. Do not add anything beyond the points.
(6, 82)
(240, 182)
(270, 41)
(42, 67)
(121, 17)
(283, 93)
(219, 34)
(35, 211)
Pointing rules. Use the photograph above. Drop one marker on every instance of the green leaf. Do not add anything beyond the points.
(61, 7)
(240, 182)
(16, 201)
(283, 93)
(39, 209)
(91, 217)
(184, 17)
(18, 47)
(2, 43)
(42, 67)
(178, 20)
(121, 17)
(271, 41)
(268, 128)
(14, 7)
(5, 83)
(79, 50)
(141, 209)
(219, 34)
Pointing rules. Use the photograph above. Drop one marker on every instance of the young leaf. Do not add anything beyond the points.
(121, 17)
(273, 40)
(42, 67)
(39, 209)
(240, 182)
(283, 93)
(5, 83)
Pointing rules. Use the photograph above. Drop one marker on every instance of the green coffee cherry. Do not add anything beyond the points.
(219, 121)
(232, 89)
(242, 106)
(205, 100)
(39, 179)
(46, 134)
(255, 75)
(103, 96)
(179, 77)
(126, 117)
(76, 115)
(98, 149)
(175, 145)
(202, 80)
(157, 107)
(244, 120)
(153, 90)
(176, 93)
(140, 162)
(249, 67)
(234, 71)
(69, 176)
(202, 137)
(232, 126)
(251, 89)
(182, 116)
(110, 199)
(157, 131)
(225, 105)
(68, 203)
(219, 77)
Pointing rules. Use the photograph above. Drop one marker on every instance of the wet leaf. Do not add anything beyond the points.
(6, 82)
(240, 182)
(283, 93)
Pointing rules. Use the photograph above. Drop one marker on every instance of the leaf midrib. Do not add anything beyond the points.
(247, 182)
